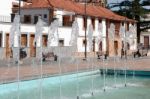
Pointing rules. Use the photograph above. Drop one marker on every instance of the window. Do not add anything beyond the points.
(27, 18)
(0, 39)
(15, 5)
(61, 43)
(45, 16)
(23, 40)
(83, 42)
(127, 26)
(12, 17)
(84, 23)
(122, 23)
(103, 4)
(117, 28)
(44, 39)
(35, 19)
(68, 20)
(93, 22)
(100, 21)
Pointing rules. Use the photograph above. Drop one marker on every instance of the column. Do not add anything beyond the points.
(104, 43)
(80, 21)
(88, 24)
(96, 33)
(96, 25)
(135, 40)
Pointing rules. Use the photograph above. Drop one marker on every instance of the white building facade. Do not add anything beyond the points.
(29, 17)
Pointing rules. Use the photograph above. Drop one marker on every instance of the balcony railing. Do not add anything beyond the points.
(5, 18)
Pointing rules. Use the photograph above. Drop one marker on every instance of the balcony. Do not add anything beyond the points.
(5, 18)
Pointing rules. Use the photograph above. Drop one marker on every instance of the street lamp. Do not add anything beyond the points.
(85, 20)
(19, 6)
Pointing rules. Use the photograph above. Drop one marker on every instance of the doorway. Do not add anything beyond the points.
(146, 41)
(8, 50)
(116, 47)
(24, 40)
(32, 46)
(93, 45)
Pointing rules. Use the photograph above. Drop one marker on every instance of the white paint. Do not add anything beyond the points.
(104, 35)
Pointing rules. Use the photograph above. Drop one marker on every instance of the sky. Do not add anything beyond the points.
(118, 1)
(114, 1)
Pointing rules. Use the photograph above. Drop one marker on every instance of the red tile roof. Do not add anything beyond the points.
(68, 5)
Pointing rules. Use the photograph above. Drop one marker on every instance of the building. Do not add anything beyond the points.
(145, 35)
(8, 8)
(66, 11)
(93, 2)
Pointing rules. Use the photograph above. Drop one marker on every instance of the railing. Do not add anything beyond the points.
(5, 18)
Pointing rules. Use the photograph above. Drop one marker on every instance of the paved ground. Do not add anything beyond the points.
(31, 68)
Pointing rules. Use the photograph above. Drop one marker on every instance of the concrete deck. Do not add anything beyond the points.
(31, 68)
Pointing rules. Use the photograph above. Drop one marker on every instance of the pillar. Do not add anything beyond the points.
(104, 47)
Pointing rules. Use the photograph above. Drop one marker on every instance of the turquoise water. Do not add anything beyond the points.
(137, 88)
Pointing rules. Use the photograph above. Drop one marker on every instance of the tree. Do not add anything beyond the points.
(145, 3)
(132, 9)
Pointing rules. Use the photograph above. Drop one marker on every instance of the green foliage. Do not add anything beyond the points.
(132, 9)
